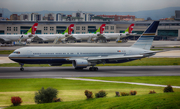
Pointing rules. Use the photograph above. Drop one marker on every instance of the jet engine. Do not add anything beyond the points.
(21, 36)
(29, 40)
(80, 63)
(30, 35)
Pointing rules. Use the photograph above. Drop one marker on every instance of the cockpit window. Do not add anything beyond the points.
(17, 52)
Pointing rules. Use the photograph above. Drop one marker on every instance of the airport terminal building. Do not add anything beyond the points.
(167, 30)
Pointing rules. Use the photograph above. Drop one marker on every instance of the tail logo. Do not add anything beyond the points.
(34, 28)
(102, 28)
(70, 28)
(131, 27)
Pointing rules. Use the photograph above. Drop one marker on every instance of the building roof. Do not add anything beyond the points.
(87, 22)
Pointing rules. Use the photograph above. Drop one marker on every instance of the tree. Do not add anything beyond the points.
(45, 95)
(149, 18)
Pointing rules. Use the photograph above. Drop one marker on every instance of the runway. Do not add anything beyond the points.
(108, 71)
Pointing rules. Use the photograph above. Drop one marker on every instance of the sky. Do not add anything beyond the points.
(87, 5)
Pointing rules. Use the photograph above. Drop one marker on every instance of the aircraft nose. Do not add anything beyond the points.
(10, 56)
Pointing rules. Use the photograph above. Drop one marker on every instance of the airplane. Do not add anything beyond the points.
(82, 57)
(116, 36)
(87, 36)
(53, 37)
(19, 37)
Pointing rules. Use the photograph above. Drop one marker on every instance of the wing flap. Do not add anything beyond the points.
(3, 40)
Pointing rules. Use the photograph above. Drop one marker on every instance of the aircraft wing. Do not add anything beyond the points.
(64, 37)
(108, 57)
(4, 39)
(98, 36)
(1, 39)
(36, 38)
(114, 57)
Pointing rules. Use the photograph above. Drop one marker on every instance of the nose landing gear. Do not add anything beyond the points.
(21, 69)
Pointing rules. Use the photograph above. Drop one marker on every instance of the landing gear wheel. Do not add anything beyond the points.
(22, 69)
(95, 69)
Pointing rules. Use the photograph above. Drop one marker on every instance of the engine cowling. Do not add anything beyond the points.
(80, 63)
(29, 40)
(30, 35)
(21, 36)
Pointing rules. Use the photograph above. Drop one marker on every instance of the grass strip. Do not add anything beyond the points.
(9, 85)
(73, 90)
(156, 49)
(149, 101)
(6, 51)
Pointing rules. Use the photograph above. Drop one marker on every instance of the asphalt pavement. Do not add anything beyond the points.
(108, 71)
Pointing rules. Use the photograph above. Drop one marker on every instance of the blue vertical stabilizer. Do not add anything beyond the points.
(146, 39)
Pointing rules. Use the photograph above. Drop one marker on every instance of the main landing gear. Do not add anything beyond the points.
(90, 69)
(21, 69)
(93, 69)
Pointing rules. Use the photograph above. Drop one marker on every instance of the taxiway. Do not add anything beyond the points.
(109, 71)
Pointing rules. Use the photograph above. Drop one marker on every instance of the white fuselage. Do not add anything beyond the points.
(49, 37)
(83, 36)
(63, 55)
(107, 36)
(7, 38)
(114, 35)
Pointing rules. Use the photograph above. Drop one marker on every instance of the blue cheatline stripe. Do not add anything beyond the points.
(146, 36)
